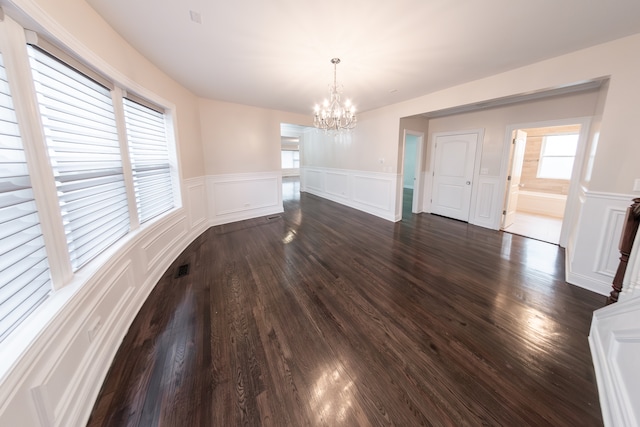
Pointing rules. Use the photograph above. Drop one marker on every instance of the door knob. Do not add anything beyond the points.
(468, 182)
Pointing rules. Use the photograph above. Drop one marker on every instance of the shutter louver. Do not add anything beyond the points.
(147, 141)
(25, 281)
(80, 129)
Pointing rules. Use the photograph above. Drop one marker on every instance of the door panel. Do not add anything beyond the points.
(453, 175)
(515, 174)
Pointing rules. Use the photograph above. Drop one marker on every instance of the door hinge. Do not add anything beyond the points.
(504, 212)
(509, 178)
(513, 141)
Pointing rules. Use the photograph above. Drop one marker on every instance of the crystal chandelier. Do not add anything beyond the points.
(331, 115)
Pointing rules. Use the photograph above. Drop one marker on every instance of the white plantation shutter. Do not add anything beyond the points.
(25, 281)
(147, 140)
(80, 129)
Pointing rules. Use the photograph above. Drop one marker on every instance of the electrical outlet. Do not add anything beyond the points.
(636, 184)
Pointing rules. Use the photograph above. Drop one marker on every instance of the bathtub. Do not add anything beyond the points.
(541, 203)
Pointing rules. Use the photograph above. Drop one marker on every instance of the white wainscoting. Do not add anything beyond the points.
(196, 192)
(486, 207)
(236, 197)
(615, 348)
(78, 330)
(371, 192)
(593, 259)
(631, 282)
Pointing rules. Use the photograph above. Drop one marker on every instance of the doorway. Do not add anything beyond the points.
(539, 180)
(412, 172)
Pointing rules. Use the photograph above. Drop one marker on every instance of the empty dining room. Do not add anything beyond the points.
(286, 214)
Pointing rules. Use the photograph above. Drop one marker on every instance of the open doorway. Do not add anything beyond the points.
(291, 153)
(411, 172)
(539, 181)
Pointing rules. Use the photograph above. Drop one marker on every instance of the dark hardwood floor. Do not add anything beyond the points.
(326, 316)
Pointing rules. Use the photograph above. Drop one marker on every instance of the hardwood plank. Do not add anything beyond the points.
(328, 316)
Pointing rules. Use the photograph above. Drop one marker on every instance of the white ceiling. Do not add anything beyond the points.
(276, 53)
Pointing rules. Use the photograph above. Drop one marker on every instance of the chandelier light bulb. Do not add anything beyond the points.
(333, 116)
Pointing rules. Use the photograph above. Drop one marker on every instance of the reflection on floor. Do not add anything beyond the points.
(407, 202)
(539, 227)
(290, 188)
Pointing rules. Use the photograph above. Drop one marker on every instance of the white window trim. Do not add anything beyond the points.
(65, 284)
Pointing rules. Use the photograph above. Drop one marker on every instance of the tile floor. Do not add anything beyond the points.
(538, 227)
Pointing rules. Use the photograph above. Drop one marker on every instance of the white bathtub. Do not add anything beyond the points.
(542, 203)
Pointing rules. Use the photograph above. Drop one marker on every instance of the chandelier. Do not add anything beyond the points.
(332, 115)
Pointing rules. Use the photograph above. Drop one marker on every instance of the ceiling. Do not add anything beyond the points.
(276, 53)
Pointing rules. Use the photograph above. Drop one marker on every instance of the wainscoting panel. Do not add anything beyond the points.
(197, 198)
(370, 192)
(615, 348)
(609, 254)
(631, 282)
(592, 260)
(54, 381)
(242, 196)
(487, 209)
(154, 248)
(313, 180)
(337, 184)
(373, 191)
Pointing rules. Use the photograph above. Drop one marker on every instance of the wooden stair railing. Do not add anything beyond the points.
(629, 231)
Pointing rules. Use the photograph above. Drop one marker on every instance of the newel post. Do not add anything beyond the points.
(629, 230)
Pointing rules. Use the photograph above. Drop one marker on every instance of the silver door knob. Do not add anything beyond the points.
(468, 182)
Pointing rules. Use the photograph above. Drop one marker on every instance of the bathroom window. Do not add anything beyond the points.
(557, 156)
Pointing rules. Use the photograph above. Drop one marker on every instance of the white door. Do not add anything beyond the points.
(518, 144)
(453, 175)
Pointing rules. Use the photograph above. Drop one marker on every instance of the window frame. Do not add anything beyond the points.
(13, 44)
(294, 159)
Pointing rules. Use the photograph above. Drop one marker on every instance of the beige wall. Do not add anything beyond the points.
(494, 121)
(97, 43)
(615, 162)
(242, 139)
(372, 146)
